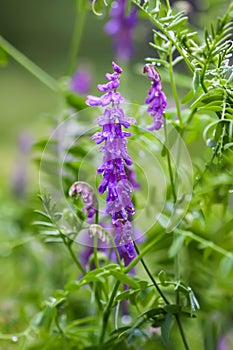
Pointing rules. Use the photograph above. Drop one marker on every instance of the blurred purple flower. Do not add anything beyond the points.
(121, 28)
(116, 158)
(21, 168)
(80, 82)
(156, 98)
(223, 343)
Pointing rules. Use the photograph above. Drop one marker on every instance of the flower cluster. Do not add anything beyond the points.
(86, 192)
(156, 98)
(121, 27)
(116, 158)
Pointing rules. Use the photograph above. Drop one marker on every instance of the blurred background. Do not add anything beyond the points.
(42, 30)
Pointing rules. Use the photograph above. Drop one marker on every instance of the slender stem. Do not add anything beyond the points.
(151, 276)
(97, 216)
(96, 261)
(177, 317)
(30, 66)
(191, 115)
(108, 311)
(168, 4)
(73, 256)
(176, 258)
(173, 86)
(144, 251)
(177, 275)
(169, 163)
(76, 38)
(207, 166)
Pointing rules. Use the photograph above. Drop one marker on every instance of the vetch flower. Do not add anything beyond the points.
(85, 191)
(116, 159)
(121, 28)
(156, 98)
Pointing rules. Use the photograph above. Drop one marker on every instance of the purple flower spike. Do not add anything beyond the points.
(116, 160)
(121, 28)
(156, 98)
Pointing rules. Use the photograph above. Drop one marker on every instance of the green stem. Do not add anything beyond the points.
(169, 163)
(75, 259)
(177, 275)
(30, 66)
(207, 166)
(173, 86)
(96, 251)
(190, 117)
(144, 251)
(108, 311)
(168, 4)
(73, 256)
(76, 38)
(177, 317)
(151, 276)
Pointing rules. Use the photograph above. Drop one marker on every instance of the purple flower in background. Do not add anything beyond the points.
(223, 343)
(20, 171)
(121, 28)
(156, 98)
(80, 82)
(86, 192)
(115, 180)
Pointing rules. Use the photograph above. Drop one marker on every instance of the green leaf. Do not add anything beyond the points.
(153, 312)
(187, 98)
(80, 322)
(163, 276)
(73, 286)
(128, 294)
(125, 279)
(47, 216)
(46, 317)
(50, 233)
(196, 80)
(43, 223)
(76, 101)
(176, 246)
(212, 106)
(178, 24)
(81, 215)
(158, 48)
(165, 328)
(172, 308)
(226, 266)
